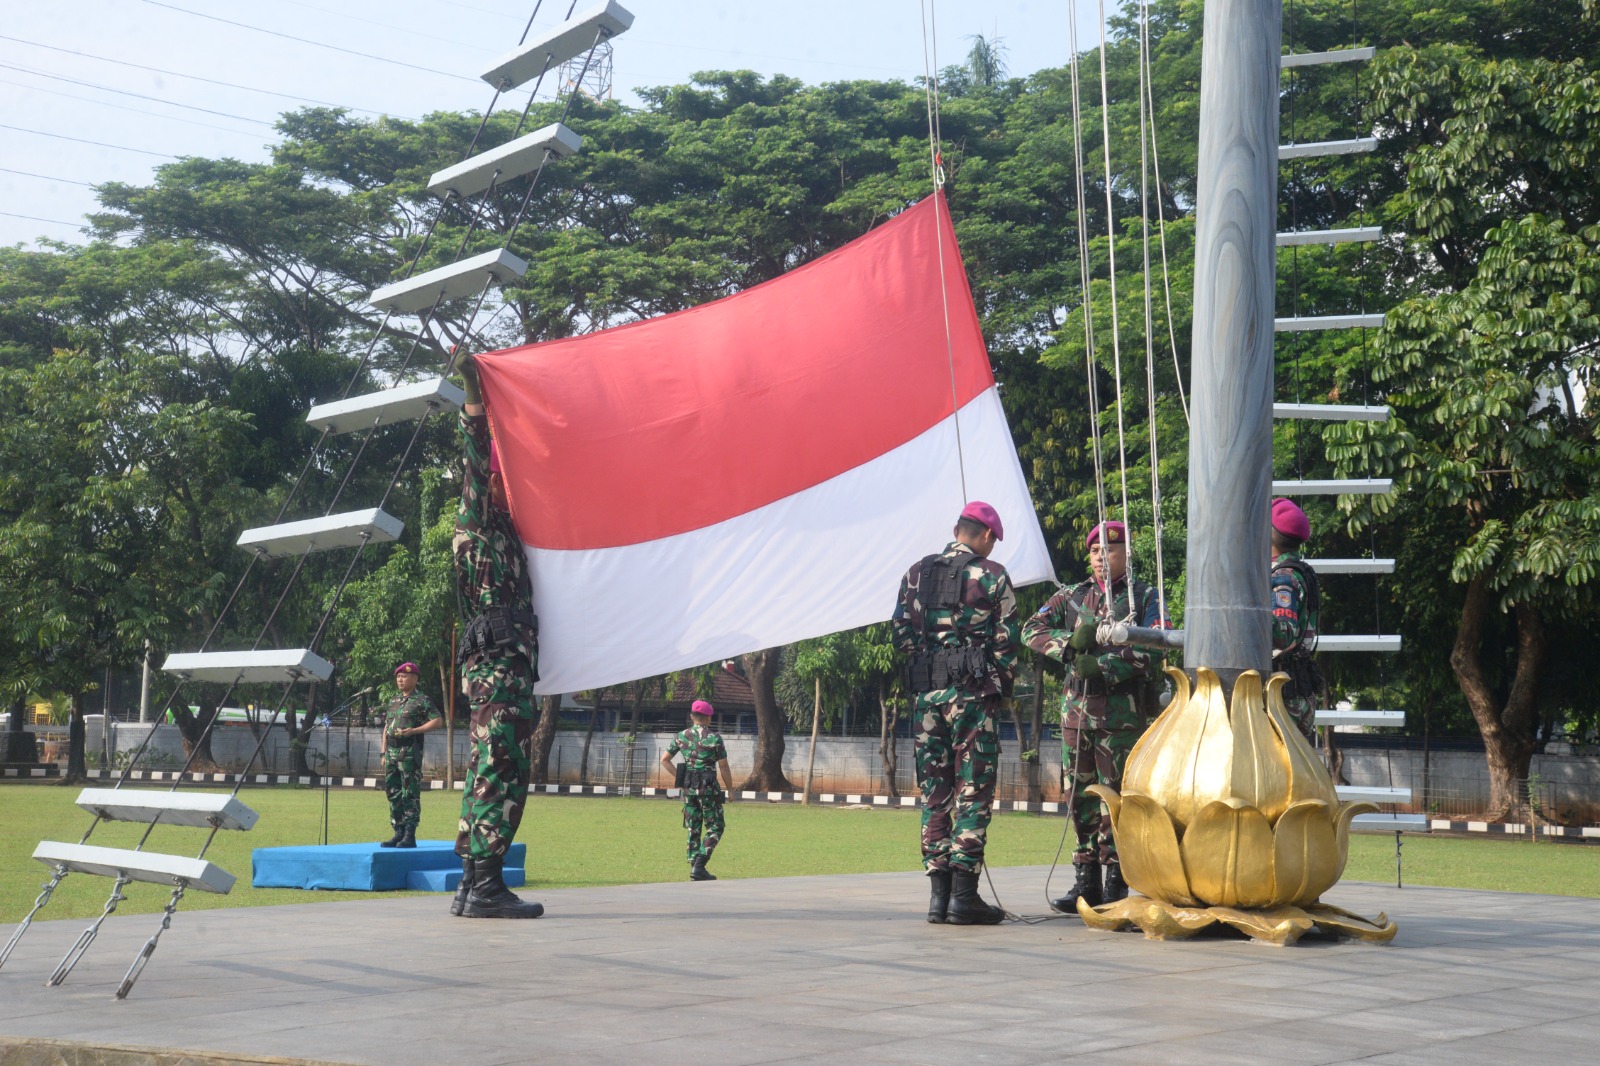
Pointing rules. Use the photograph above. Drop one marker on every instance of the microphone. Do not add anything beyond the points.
(369, 689)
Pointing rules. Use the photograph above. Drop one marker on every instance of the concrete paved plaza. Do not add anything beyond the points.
(815, 969)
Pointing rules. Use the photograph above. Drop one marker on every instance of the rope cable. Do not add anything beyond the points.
(1147, 127)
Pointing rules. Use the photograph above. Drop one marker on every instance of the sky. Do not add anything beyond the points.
(106, 90)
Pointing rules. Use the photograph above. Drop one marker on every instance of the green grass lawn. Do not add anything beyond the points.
(576, 841)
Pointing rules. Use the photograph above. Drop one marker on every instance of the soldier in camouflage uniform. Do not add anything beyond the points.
(704, 757)
(408, 716)
(1296, 603)
(498, 654)
(956, 617)
(1108, 700)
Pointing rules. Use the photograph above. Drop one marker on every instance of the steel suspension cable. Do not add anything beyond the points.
(1147, 122)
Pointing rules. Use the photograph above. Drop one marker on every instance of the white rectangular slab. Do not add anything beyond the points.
(269, 665)
(555, 46)
(403, 403)
(151, 867)
(505, 163)
(451, 282)
(199, 809)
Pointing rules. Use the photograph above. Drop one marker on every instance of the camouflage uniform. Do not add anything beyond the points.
(402, 758)
(702, 799)
(1295, 607)
(1101, 717)
(491, 572)
(958, 746)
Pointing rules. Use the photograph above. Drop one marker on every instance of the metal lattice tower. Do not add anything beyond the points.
(592, 79)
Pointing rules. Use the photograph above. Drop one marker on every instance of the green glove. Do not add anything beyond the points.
(469, 378)
(1083, 637)
(1087, 667)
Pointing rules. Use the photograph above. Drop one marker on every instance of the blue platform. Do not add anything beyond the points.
(365, 867)
(447, 880)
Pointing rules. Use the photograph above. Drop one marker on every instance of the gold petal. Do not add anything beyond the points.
(1338, 920)
(1341, 825)
(1227, 854)
(1147, 845)
(1281, 925)
(1308, 777)
(1136, 771)
(1158, 920)
(1260, 764)
(1192, 763)
(1107, 795)
(1306, 859)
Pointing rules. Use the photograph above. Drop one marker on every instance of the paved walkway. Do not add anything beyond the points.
(811, 970)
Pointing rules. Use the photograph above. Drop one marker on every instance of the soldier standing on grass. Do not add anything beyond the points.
(956, 617)
(704, 757)
(499, 656)
(1108, 699)
(1296, 596)
(409, 715)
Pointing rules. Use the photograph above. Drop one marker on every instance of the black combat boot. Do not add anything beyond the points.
(939, 897)
(1087, 888)
(698, 871)
(488, 897)
(1116, 887)
(463, 888)
(966, 906)
(408, 839)
(394, 841)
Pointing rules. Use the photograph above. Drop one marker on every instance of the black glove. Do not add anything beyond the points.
(469, 378)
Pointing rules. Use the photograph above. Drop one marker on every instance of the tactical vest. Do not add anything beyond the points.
(930, 669)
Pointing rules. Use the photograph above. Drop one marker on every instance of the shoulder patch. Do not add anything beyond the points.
(1283, 596)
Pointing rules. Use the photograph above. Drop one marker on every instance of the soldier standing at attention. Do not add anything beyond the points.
(1108, 699)
(704, 757)
(1296, 603)
(499, 657)
(957, 619)
(408, 716)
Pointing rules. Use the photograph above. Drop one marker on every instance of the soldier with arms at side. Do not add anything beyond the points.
(407, 718)
(499, 656)
(1109, 698)
(704, 757)
(1296, 603)
(956, 617)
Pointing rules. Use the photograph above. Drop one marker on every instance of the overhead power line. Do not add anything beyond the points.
(36, 218)
(307, 40)
(191, 77)
(84, 140)
(139, 96)
(48, 177)
(127, 107)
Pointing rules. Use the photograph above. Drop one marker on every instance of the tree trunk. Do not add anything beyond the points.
(886, 744)
(77, 766)
(195, 730)
(811, 760)
(588, 739)
(1507, 731)
(18, 745)
(761, 670)
(544, 736)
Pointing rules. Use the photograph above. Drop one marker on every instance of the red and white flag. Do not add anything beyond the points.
(756, 470)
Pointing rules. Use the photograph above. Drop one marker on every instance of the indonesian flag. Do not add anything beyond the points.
(756, 470)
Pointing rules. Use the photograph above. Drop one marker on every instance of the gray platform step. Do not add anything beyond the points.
(505, 163)
(1352, 566)
(1332, 412)
(450, 282)
(555, 46)
(1337, 55)
(1381, 643)
(274, 665)
(403, 403)
(322, 534)
(1392, 823)
(1373, 793)
(1366, 486)
(1379, 719)
(199, 809)
(1354, 235)
(1316, 322)
(149, 866)
(1313, 149)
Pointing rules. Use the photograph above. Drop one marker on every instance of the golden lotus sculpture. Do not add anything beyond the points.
(1228, 815)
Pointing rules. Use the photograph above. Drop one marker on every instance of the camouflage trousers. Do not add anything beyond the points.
(500, 690)
(402, 780)
(1091, 755)
(702, 817)
(1303, 709)
(958, 760)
